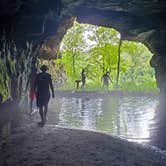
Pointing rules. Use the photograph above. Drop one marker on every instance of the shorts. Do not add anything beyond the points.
(32, 94)
(42, 99)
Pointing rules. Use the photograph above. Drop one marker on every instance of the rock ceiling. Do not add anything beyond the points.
(39, 20)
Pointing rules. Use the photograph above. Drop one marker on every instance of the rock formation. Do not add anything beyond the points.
(27, 24)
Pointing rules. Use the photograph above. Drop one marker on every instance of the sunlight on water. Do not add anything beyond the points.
(128, 117)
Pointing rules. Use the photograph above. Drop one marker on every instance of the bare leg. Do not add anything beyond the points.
(83, 84)
(107, 87)
(45, 112)
(31, 105)
(104, 86)
(41, 114)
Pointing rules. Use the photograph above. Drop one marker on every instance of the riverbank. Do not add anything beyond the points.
(80, 93)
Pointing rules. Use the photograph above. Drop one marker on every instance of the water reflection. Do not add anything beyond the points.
(158, 127)
(128, 117)
(79, 112)
(140, 119)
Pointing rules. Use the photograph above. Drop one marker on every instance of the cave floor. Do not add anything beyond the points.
(52, 145)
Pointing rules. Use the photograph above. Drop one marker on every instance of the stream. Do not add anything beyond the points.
(130, 117)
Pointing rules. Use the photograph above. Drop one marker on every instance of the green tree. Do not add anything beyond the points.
(104, 53)
(100, 49)
(73, 46)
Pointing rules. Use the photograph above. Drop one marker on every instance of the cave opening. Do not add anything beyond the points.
(139, 117)
(97, 50)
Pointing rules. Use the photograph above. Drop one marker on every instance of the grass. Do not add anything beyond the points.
(146, 87)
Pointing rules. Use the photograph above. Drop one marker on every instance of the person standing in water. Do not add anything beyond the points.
(43, 84)
(105, 79)
(83, 77)
(31, 83)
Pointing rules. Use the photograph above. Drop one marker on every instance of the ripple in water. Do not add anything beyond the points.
(128, 117)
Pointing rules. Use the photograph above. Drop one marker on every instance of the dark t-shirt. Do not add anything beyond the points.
(105, 78)
(43, 81)
(83, 76)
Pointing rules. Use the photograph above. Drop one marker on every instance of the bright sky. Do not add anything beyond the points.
(86, 34)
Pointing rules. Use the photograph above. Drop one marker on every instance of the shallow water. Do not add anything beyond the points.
(136, 118)
(130, 117)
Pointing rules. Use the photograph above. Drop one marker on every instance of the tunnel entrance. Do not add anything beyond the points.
(84, 56)
(98, 50)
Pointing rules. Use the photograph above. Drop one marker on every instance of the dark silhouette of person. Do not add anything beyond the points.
(77, 83)
(83, 78)
(31, 84)
(105, 80)
(43, 83)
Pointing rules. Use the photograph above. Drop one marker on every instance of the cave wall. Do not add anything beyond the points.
(40, 21)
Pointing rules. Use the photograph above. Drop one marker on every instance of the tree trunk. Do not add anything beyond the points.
(118, 65)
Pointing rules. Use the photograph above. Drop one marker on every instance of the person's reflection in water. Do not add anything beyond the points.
(82, 107)
(158, 130)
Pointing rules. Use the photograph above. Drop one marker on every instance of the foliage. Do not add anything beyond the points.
(14, 68)
(96, 49)
(56, 69)
(73, 52)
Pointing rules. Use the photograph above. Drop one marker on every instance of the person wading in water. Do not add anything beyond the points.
(105, 79)
(43, 84)
(31, 83)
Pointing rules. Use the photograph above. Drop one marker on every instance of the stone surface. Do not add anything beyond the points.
(51, 145)
(40, 21)
(37, 21)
